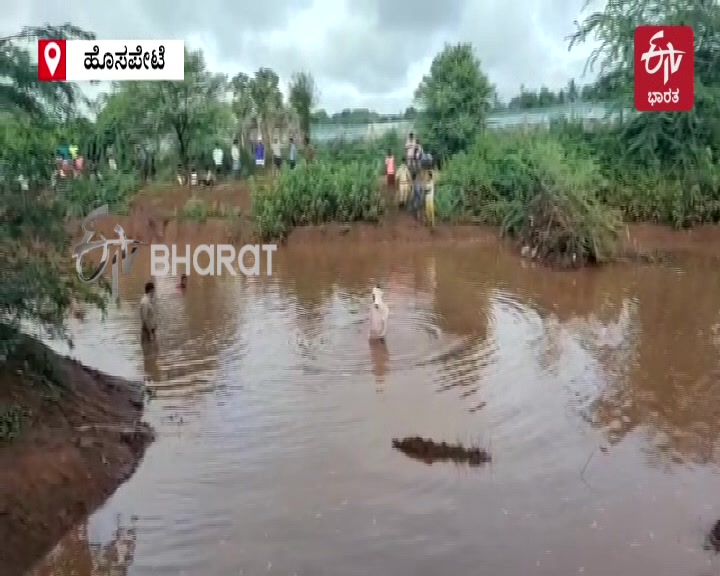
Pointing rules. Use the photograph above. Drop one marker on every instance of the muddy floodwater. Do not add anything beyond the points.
(597, 394)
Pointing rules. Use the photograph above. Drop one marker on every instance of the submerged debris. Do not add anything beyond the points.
(714, 537)
(429, 451)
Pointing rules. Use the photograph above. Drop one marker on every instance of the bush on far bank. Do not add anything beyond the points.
(538, 191)
(680, 193)
(315, 193)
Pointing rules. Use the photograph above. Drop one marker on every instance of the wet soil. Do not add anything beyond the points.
(77, 436)
(429, 451)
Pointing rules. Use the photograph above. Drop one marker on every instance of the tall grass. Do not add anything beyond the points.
(538, 190)
(315, 193)
(643, 191)
(80, 196)
(366, 151)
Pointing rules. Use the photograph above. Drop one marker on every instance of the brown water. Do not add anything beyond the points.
(596, 393)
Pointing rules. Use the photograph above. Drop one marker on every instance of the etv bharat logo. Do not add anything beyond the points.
(664, 76)
(126, 251)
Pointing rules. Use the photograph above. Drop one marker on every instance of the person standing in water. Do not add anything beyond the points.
(182, 286)
(148, 314)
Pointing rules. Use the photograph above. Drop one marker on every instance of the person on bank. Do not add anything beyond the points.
(148, 313)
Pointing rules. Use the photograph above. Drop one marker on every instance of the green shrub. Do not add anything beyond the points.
(82, 195)
(537, 190)
(195, 209)
(366, 151)
(316, 193)
(12, 418)
(647, 190)
(198, 210)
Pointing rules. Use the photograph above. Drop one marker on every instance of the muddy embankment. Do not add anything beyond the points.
(155, 216)
(70, 436)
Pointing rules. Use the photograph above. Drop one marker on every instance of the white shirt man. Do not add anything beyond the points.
(277, 153)
(218, 159)
(235, 155)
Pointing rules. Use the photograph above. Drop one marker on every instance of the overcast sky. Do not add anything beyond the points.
(363, 53)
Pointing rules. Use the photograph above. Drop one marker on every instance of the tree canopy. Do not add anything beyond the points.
(454, 100)
(681, 140)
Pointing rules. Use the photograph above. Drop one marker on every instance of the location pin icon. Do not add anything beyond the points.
(52, 56)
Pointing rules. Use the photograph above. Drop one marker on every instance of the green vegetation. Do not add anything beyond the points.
(12, 418)
(535, 188)
(370, 152)
(561, 192)
(454, 101)
(80, 196)
(196, 209)
(319, 192)
(38, 284)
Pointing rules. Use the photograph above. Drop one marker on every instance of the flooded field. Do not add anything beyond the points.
(596, 393)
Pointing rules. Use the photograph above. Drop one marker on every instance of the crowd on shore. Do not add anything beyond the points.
(411, 184)
(413, 176)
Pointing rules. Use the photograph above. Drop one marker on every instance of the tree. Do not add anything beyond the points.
(410, 113)
(191, 113)
(454, 100)
(23, 93)
(673, 140)
(257, 101)
(265, 91)
(321, 116)
(303, 98)
(243, 104)
(38, 284)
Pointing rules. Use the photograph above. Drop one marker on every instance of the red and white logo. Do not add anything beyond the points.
(52, 58)
(664, 68)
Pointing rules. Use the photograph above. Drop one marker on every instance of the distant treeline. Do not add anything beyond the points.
(525, 100)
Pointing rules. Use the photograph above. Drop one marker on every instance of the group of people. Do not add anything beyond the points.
(415, 175)
(69, 163)
(277, 152)
(215, 171)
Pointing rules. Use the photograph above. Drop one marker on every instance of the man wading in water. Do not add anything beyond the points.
(148, 314)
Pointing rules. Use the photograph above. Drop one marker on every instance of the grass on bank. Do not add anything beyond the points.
(537, 191)
(324, 191)
(198, 210)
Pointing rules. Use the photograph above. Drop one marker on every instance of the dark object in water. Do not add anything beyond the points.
(714, 537)
(429, 451)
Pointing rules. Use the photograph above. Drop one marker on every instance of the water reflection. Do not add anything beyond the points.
(380, 360)
(671, 384)
(542, 367)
